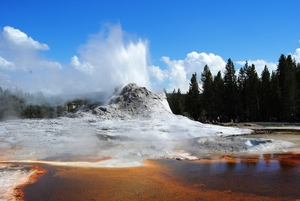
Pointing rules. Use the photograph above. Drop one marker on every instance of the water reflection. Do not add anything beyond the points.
(262, 174)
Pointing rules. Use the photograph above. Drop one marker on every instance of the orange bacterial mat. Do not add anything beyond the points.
(231, 178)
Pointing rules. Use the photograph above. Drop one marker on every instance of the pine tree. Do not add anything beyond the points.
(251, 93)
(298, 88)
(192, 102)
(275, 97)
(207, 94)
(265, 95)
(241, 95)
(286, 71)
(218, 95)
(179, 108)
(176, 102)
(230, 91)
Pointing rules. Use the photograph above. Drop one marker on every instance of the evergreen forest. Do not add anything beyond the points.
(17, 104)
(228, 96)
(243, 95)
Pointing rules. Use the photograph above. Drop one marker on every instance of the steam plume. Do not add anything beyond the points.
(109, 59)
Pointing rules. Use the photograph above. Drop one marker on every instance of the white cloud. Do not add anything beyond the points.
(30, 72)
(179, 72)
(259, 65)
(5, 80)
(157, 73)
(6, 65)
(176, 74)
(296, 55)
(195, 60)
(51, 64)
(85, 67)
(108, 59)
(20, 39)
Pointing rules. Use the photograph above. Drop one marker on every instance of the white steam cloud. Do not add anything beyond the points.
(107, 60)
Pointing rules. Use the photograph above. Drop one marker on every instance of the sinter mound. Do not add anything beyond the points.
(131, 102)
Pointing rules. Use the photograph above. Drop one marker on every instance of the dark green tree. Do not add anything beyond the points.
(218, 95)
(241, 95)
(274, 102)
(192, 101)
(251, 94)
(207, 93)
(230, 91)
(265, 95)
(175, 102)
(171, 100)
(286, 71)
(298, 86)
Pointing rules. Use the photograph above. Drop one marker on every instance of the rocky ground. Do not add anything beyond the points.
(134, 124)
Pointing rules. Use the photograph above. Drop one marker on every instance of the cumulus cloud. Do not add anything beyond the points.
(30, 72)
(157, 73)
(21, 40)
(4, 79)
(51, 64)
(179, 72)
(176, 74)
(109, 59)
(272, 66)
(6, 65)
(296, 55)
(85, 67)
(259, 65)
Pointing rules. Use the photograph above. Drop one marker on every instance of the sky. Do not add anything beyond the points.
(60, 47)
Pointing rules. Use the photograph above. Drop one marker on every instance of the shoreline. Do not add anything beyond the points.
(168, 179)
(36, 174)
(152, 168)
(14, 177)
(37, 171)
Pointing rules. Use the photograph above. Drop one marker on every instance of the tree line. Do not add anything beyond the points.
(242, 96)
(17, 104)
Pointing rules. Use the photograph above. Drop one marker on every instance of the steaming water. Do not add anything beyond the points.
(256, 177)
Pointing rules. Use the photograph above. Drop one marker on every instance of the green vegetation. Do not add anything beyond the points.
(273, 96)
(17, 104)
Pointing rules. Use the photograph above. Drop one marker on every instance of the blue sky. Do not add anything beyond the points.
(70, 47)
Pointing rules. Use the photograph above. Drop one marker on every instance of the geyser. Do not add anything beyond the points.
(132, 101)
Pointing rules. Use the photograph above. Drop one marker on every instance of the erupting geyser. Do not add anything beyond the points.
(133, 125)
(131, 102)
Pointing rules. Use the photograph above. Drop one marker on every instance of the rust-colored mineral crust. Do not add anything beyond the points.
(37, 173)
